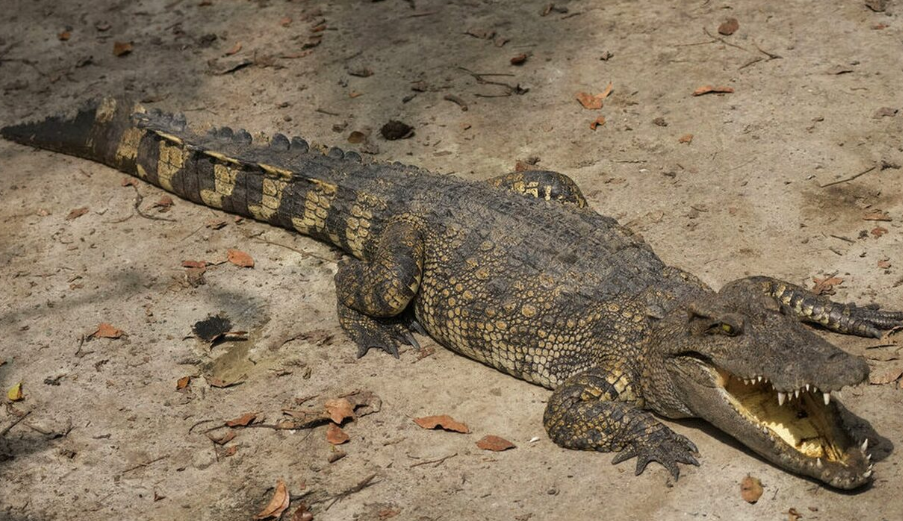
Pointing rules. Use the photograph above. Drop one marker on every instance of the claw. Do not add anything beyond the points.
(392, 349)
(409, 338)
(623, 456)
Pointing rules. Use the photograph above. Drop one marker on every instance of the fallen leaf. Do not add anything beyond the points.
(750, 489)
(223, 439)
(793, 515)
(194, 264)
(278, 504)
(884, 264)
(15, 393)
(826, 285)
(877, 6)
(222, 384)
(285, 21)
(590, 101)
(229, 451)
(122, 48)
(240, 259)
(708, 89)
(886, 377)
(598, 122)
(76, 213)
(444, 421)
(302, 513)
(686, 138)
(335, 434)
(211, 328)
(234, 50)
(519, 59)
(357, 137)
(164, 204)
(339, 409)
(63, 36)
(494, 443)
(242, 421)
(396, 130)
(876, 216)
(183, 382)
(128, 181)
(879, 231)
(729, 27)
(355, 94)
(105, 330)
(885, 112)
(607, 90)
(215, 224)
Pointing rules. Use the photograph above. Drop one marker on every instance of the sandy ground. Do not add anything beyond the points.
(107, 434)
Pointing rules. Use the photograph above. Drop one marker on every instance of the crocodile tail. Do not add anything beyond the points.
(94, 132)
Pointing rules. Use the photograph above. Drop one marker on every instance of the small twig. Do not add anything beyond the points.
(145, 464)
(13, 424)
(199, 423)
(771, 56)
(456, 100)
(437, 462)
(328, 113)
(860, 174)
(751, 62)
(366, 482)
(845, 239)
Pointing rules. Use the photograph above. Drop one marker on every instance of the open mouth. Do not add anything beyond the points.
(803, 425)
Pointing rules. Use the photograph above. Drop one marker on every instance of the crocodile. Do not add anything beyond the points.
(519, 273)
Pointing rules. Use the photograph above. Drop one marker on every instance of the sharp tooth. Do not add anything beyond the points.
(867, 474)
(765, 430)
(807, 388)
(818, 463)
(780, 398)
(827, 397)
(760, 379)
(796, 393)
(865, 445)
(868, 457)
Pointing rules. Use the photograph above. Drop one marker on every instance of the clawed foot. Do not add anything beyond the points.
(869, 321)
(664, 446)
(387, 334)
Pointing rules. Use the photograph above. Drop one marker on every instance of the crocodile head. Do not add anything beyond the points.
(738, 361)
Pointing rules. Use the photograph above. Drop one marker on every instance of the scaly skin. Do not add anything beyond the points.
(517, 273)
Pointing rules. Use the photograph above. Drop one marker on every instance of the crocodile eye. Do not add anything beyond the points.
(726, 327)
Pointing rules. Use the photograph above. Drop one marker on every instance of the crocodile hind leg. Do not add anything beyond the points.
(599, 410)
(542, 184)
(809, 307)
(372, 295)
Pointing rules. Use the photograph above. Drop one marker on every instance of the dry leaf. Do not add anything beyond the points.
(225, 438)
(76, 213)
(221, 384)
(128, 181)
(878, 231)
(793, 515)
(494, 443)
(105, 330)
(826, 285)
(278, 504)
(607, 90)
(240, 259)
(590, 101)
(63, 36)
(229, 451)
(285, 21)
(183, 382)
(686, 138)
(729, 27)
(708, 89)
(194, 264)
(15, 393)
(444, 421)
(750, 489)
(884, 264)
(335, 434)
(302, 513)
(339, 409)
(122, 48)
(215, 224)
(2, 362)
(887, 377)
(242, 421)
(519, 59)
(234, 50)
(598, 122)
(876, 216)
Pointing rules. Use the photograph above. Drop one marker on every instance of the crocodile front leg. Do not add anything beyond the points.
(599, 410)
(542, 184)
(372, 295)
(809, 307)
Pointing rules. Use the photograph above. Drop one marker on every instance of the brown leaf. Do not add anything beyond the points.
(215, 224)
(607, 90)
(444, 421)
(886, 377)
(877, 215)
(229, 451)
(357, 137)
(335, 434)
(826, 285)
(686, 138)
(598, 122)
(76, 213)
(122, 48)
(793, 515)
(222, 439)
(15, 393)
(750, 489)
(128, 181)
(878, 231)
(708, 89)
(285, 21)
(519, 59)
(494, 443)
(363, 72)
(884, 264)
(234, 50)
(729, 27)
(164, 203)
(339, 409)
(302, 513)
(242, 421)
(222, 384)
(240, 259)
(105, 330)
(590, 101)
(183, 382)
(278, 504)
(63, 36)
(194, 264)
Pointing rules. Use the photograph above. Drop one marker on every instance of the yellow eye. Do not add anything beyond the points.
(727, 328)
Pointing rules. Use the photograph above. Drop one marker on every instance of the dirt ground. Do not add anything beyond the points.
(109, 436)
